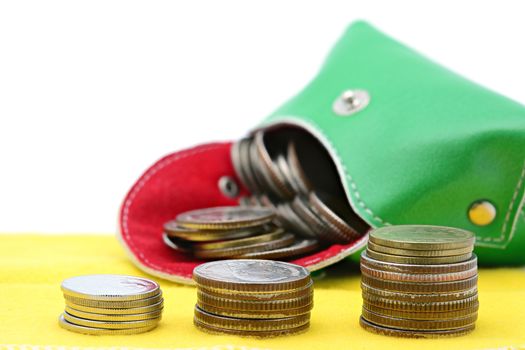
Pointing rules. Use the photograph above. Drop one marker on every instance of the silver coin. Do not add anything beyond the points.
(297, 171)
(251, 274)
(343, 230)
(322, 230)
(244, 154)
(237, 163)
(225, 217)
(285, 170)
(294, 221)
(109, 287)
(299, 248)
(170, 242)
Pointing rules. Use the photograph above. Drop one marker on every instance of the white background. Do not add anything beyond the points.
(93, 92)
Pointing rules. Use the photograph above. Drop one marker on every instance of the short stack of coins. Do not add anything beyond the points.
(111, 304)
(419, 282)
(233, 232)
(257, 298)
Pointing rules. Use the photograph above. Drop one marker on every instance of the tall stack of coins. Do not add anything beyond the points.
(111, 304)
(233, 232)
(260, 298)
(419, 281)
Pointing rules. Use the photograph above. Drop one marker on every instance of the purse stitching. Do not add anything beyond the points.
(142, 182)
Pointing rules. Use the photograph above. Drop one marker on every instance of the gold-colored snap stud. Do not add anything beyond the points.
(482, 213)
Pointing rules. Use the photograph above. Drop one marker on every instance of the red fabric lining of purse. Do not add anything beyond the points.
(176, 183)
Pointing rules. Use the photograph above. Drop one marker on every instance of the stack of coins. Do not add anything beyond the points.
(233, 232)
(259, 298)
(419, 281)
(277, 180)
(111, 304)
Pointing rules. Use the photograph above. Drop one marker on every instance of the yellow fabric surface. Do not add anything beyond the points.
(32, 267)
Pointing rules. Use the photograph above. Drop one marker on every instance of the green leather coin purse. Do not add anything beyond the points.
(404, 141)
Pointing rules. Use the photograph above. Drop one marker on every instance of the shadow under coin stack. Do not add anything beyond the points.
(258, 298)
(233, 232)
(419, 282)
(111, 304)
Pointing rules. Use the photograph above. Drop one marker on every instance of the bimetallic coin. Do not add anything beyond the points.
(407, 324)
(115, 304)
(420, 287)
(371, 327)
(409, 306)
(109, 287)
(254, 305)
(431, 315)
(346, 231)
(284, 241)
(419, 253)
(102, 331)
(418, 277)
(116, 311)
(417, 260)
(422, 237)
(173, 230)
(250, 324)
(265, 296)
(256, 334)
(300, 247)
(113, 317)
(369, 292)
(242, 242)
(255, 314)
(414, 268)
(225, 218)
(110, 324)
(247, 275)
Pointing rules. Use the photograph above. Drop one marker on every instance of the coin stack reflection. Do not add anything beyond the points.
(111, 304)
(419, 281)
(258, 298)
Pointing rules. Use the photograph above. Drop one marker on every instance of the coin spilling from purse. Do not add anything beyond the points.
(419, 282)
(258, 298)
(111, 305)
(292, 210)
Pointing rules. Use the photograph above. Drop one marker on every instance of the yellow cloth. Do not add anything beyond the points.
(32, 267)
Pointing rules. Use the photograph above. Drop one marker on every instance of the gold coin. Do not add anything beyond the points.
(286, 240)
(256, 334)
(407, 306)
(116, 311)
(421, 287)
(255, 314)
(300, 247)
(225, 218)
(417, 260)
(113, 317)
(102, 331)
(109, 287)
(251, 275)
(110, 324)
(173, 230)
(431, 315)
(422, 237)
(413, 268)
(407, 324)
(418, 277)
(242, 324)
(254, 305)
(419, 253)
(263, 296)
(417, 298)
(241, 242)
(414, 334)
(115, 304)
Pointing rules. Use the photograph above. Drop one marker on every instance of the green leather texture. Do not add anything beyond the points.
(428, 145)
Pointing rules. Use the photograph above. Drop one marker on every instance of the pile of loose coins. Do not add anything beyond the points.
(259, 298)
(419, 281)
(111, 304)
(233, 232)
(277, 180)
